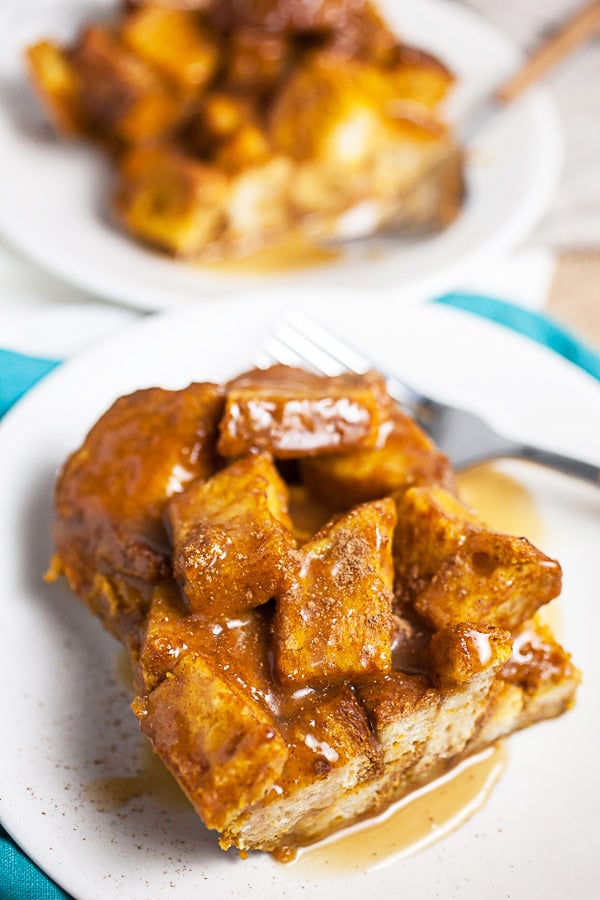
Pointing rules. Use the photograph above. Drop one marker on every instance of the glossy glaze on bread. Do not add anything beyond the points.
(316, 622)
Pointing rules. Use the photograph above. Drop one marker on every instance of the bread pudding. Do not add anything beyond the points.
(317, 624)
(237, 126)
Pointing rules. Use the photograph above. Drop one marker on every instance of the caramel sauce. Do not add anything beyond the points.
(419, 820)
(151, 779)
(503, 503)
(293, 255)
(506, 505)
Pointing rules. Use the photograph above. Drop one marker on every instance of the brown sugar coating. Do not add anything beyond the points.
(312, 636)
(453, 569)
(216, 739)
(109, 520)
(404, 457)
(293, 414)
(334, 620)
(287, 15)
(231, 537)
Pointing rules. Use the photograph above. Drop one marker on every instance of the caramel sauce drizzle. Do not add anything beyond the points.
(414, 823)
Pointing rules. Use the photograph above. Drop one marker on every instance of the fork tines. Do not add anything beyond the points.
(298, 340)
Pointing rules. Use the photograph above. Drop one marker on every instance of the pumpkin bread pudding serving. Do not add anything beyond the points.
(236, 125)
(316, 623)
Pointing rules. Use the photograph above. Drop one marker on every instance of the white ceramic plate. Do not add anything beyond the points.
(66, 722)
(53, 196)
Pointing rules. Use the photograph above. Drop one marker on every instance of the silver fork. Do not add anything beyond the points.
(467, 439)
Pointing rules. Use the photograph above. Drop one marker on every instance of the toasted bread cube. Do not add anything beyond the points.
(283, 15)
(406, 710)
(174, 41)
(419, 77)
(231, 537)
(167, 637)
(258, 209)
(247, 147)
(241, 646)
(58, 86)
(170, 200)
(538, 666)
(405, 457)
(256, 60)
(219, 118)
(293, 413)
(332, 750)
(125, 98)
(331, 109)
(538, 682)
(221, 745)
(402, 709)
(334, 621)
(452, 569)
(356, 140)
(461, 652)
(111, 492)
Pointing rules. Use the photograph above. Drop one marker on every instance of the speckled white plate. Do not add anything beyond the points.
(54, 192)
(66, 725)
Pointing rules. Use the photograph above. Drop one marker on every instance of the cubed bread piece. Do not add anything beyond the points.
(58, 86)
(174, 41)
(168, 635)
(248, 148)
(240, 646)
(332, 750)
(421, 729)
(402, 709)
(171, 200)
(125, 98)
(334, 620)
(232, 537)
(332, 109)
(538, 682)
(283, 15)
(452, 569)
(257, 207)
(418, 76)
(405, 457)
(293, 413)
(111, 492)
(256, 61)
(220, 115)
(461, 652)
(355, 140)
(543, 670)
(466, 675)
(222, 746)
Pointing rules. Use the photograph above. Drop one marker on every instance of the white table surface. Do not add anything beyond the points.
(573, 220)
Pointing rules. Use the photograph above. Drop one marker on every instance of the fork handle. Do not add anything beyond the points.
(579, 28)
(566, 464)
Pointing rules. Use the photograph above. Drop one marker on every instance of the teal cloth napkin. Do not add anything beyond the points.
(18, 373)
(20, 879)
